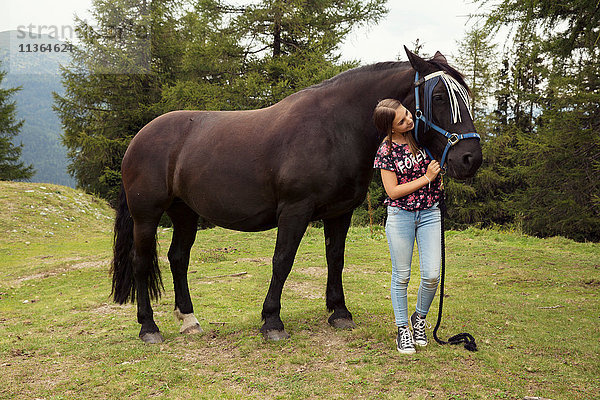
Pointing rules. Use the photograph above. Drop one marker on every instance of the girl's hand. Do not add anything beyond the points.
(433, 169)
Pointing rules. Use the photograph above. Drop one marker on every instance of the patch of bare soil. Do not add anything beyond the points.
(107, 309)
(305, 289)
(258, 260)
(312, 271)
(60, 270)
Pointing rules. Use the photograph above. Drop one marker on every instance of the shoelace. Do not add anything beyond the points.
(419, 327)
(405, 338)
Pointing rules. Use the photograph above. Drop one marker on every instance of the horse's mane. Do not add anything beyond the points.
(382, 66)
(351, 73)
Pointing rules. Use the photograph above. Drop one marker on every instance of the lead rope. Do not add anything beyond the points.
(465, 338)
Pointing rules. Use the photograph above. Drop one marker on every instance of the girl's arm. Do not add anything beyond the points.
(396, 191)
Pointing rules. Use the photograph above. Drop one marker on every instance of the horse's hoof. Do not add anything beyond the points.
(154, 337)
(190, 324)
(276, 335)
(342, 323)
(192, 330)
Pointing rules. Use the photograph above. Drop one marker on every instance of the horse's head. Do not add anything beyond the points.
(443, 122)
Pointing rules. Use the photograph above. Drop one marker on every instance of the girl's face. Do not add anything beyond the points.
(403, 121)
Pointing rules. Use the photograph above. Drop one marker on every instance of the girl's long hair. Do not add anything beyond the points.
(383, 118)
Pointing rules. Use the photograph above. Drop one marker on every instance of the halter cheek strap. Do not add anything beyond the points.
(453, 138)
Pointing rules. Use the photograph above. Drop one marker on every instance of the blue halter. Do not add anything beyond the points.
(453, 138)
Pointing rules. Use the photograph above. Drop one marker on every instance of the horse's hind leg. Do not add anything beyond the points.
(336, 230)
(147, 277)
(185, 223)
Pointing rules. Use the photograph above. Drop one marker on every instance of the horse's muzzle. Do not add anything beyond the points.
(465, 164)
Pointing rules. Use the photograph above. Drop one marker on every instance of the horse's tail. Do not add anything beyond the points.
(123, 284)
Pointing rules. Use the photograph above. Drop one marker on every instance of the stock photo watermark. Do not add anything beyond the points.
(121, 46)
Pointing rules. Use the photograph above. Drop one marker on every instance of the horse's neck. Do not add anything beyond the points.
(362, 92)
(358, 97)
(385, 84)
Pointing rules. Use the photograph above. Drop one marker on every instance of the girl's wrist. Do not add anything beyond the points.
(428, 180)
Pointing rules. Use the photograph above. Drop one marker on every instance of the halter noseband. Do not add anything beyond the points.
(453, 138)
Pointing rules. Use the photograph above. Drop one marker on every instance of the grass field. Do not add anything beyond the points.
(532, 304)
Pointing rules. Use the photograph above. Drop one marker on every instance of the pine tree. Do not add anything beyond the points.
(10, 166)
(291, 44)
(111, 86)
(247, 57)
(472, 202)
(211, 61)
(555, 114)
(477, 60)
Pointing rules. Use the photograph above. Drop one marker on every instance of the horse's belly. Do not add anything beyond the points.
(258, 220)
(243, 210)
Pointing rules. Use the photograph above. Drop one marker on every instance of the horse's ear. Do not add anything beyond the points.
(440, 57)
(417, 62)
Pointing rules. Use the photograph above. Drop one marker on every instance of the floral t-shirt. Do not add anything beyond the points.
(408, 168)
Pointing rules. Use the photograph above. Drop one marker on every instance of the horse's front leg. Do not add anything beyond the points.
(336, 230)
(292, 224)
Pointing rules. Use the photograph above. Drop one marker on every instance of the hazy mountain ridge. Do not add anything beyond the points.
(38, 75)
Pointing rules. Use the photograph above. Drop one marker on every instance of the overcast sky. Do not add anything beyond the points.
(438, 24)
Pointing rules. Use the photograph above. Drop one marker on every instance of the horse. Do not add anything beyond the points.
(308, 157)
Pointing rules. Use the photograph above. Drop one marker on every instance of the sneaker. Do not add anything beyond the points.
(404, 341)
(419, 324)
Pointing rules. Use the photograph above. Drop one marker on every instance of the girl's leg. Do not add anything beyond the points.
(400, 232)
(429, 230)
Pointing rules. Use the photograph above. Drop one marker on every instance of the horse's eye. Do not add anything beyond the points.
(438, 97)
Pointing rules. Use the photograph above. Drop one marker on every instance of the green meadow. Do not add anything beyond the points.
(532, 304)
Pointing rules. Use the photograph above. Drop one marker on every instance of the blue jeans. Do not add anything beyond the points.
(402, 228)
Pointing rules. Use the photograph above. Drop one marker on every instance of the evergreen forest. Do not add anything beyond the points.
(535, 96)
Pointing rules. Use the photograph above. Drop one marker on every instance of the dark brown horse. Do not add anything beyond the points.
(308, 157)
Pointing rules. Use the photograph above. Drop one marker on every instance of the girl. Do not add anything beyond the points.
(413, 187)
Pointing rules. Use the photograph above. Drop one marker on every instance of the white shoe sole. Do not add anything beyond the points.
(406, 351)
